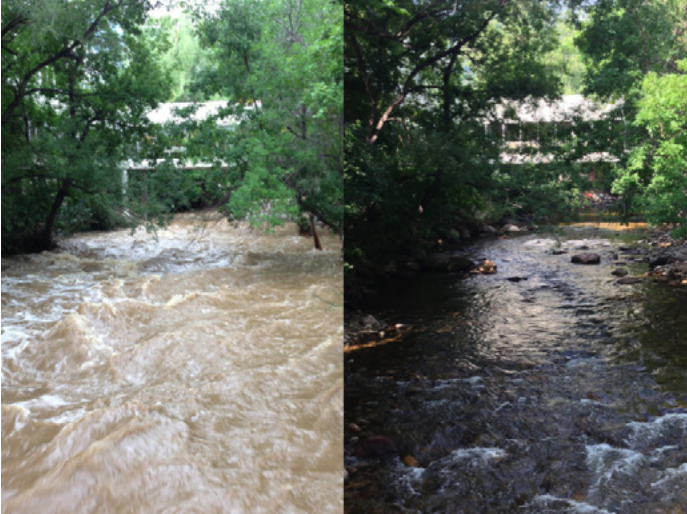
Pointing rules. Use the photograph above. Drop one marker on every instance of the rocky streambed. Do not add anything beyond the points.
(546, 386)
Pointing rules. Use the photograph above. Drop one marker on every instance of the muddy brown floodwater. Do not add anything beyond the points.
(199, 373)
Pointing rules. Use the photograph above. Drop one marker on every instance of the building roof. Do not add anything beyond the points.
(167, 112)
(565, 109)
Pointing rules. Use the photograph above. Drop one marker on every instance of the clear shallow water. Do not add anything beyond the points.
(564, 392)
(200, 372)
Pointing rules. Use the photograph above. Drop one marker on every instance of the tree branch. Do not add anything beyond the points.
(371, 97)
(408, 84)
(66, 51)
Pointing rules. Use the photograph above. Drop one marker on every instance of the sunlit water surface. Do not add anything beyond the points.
(557, 391)
(199, 372)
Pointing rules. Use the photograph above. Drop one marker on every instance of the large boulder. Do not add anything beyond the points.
(488, 230)
(458, 263)
(437, 262)
(454, 235)
(661, 260)
(408, 266)
(586, 258)
(418, 254)
(511, 228)
(443, 262)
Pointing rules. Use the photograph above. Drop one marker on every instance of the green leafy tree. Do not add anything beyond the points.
(421, 81)
(280, 65)
(629, 45)
(77, 80)
(657, 167)
(567, 59)
(183, 57)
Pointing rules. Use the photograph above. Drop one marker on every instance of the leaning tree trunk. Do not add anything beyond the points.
(45, 239)
(313, 229)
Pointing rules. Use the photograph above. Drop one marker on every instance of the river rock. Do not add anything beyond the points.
(487, 267)
(512, 228)
(454, 235)
(586, 258)
(436, 262)
(411, 461)
(464, 233)
(516, 279)
(488, 230)
(633, 250)
(460, 263)
(408, 265)
(390, 268)
(370, 321)
(661, 260)
(418, 254)
(442, 262)
(619, 272)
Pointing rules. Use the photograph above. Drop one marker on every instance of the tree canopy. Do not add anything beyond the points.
(635, 50)
(424, 85)
(77, 80)
(279, 64)
(422, 80)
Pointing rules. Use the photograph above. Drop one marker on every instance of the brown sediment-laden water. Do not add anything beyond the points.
(545, 387)
(199, 372)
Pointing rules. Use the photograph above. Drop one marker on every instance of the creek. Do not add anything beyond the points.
(197, 372)
(559, 390)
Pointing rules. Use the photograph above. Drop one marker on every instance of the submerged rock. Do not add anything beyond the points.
(619, 272)
(411, 461)
(630, 280)
(376, 446)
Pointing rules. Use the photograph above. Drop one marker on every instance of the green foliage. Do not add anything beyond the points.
(566, 60)
(181, 55)
(656, 174)
(280, 65)
(76, 82)
(539, 190)
(421, 80)
(635, 50)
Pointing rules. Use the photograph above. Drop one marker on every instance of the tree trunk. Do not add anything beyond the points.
(313, 229)
(45, 238)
